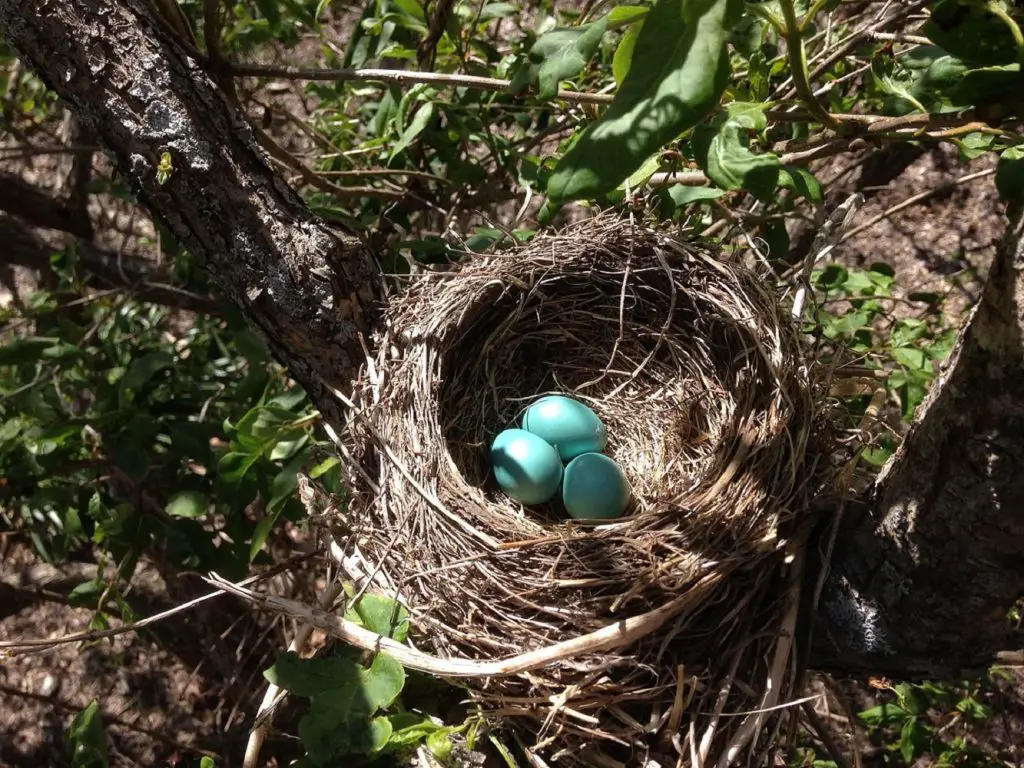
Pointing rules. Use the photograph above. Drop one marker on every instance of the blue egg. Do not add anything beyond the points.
(567, 424)
(595, 488)
(527, 468)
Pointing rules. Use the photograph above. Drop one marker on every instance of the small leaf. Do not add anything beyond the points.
(560, 55)
(893, 79)
(416, 126)
(1010, 174)
(188, 504)
(88, 738)
(140, 372)
(749, 116)
(914, 359)
(368, 689)
(440, 745)
(207, 762)
(626, 14)
(382, 615)
(801, 181)
(882, 714)
(729, 163)
(684, 195)
(678, 73)
(624, 52)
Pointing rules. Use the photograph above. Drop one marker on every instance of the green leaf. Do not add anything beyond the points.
(893, 79)
(626, 14)
(324, 466)
(367, 689)
(1010, 174)
(407, 730)
(140, 372)
(683, 195)
(416, 126)
(271, 11)
(88, 738)
(747, 115)
(678, 73)
(882, 714)
(207, 762)
(729, 163)
(912, 358)
(913, 739)
(801, 181)
(132, 459)
(382, 615)
(440, 745)
(559, 55)
(624, 52)
(189, 504)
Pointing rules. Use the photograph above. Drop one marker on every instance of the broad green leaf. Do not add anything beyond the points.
(801, 181)
(367, 690)
(189, 504)
(88, 738)
(559, 55)
(271, 11)
(382, 615)
(678, 73)
(416, 126)
(497, 11)
(1010, 174)
(233, 467)
(747, 115)
(683, 195)
(412, 8)
(729, 163)
(641, 175)
(624, 53)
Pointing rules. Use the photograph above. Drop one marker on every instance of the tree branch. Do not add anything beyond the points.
(305, 287)
(31, 204)
(23, 247)
(923, 577)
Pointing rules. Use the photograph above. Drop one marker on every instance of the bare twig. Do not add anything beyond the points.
(919, 198)
(402, 77)
(10, 648)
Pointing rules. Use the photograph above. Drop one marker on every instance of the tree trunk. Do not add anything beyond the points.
(307, 289)
(921, 578)
(926, 570)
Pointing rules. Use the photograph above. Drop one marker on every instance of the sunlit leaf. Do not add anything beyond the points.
(678, 72)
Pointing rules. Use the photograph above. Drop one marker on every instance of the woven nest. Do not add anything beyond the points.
(664, 630)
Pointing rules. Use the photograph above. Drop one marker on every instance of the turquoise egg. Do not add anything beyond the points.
(594, 487)
(527, 468)
(567, 424)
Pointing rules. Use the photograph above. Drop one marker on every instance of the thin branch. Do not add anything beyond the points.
(919, 198)
(798, 65)
(402, 77)
(10, 648)
(32, 205)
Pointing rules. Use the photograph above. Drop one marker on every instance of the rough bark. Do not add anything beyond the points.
(305, 287)
(926, 570)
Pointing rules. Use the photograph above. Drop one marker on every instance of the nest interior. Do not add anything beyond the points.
(651, 623)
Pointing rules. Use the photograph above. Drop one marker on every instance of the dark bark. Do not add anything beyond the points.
(306, 288)
(925, 572)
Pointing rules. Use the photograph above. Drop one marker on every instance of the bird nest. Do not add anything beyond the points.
(670, 629)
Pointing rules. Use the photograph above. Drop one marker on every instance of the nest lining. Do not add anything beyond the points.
(697, 372)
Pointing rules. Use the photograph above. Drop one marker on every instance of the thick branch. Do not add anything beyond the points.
(37, 207)
(306, 288)
(923, 579)
(23, 247)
